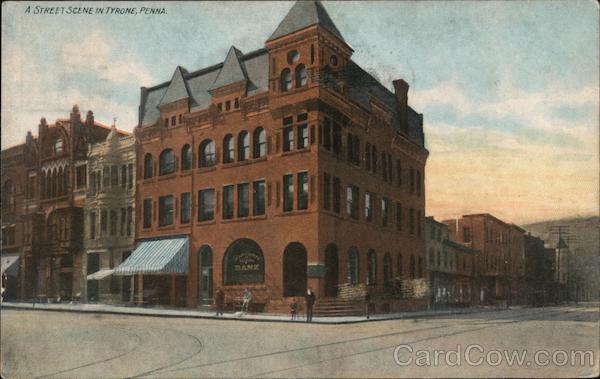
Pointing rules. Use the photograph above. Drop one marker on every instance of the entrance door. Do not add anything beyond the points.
(331, 270)
(294, 270)
(205, 282)
(93, 265)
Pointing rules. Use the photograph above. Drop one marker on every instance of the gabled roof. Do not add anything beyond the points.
(177, 89)
(302, 15)
(233, 70)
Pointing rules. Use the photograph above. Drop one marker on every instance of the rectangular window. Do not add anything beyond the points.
(399, 173)
(228, 105)
(350, 147)
(219, 107)
(288, 139)
(302, 136)
(147, 213)
(337, 193)
(236, 103)
(466, 234)
(81, 176)
(398, 217)
(303, 190)
(288, 193)
(92, 225)
(186, 207)
(114, 176)
(206, 198)
(411, 220)
(327, 134)
(337, 139)
(227, 202)
(103, 222)
(419, 224)
(384, 211)
(123, 176)
(166, 123)
(259, 197)
(173, 120)
(243, 200)
(368, 206)
(123, 220)
(129, 220)
(165, 210)
(326, 191)
(105, 176)
(130, 175)
(113, 222)
(411, 180)
(352, 201)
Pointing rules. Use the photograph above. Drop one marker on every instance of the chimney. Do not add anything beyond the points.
(89, 119)
(401, 92)
(29, 138)
(42, 127)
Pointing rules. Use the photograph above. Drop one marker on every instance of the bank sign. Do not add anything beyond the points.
(244, 263)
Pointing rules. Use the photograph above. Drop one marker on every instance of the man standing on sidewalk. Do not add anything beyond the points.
(310, 301)
(219, 301)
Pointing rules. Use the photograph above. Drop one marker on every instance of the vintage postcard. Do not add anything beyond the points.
(332, 189)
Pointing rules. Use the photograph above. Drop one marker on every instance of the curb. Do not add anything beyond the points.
(249, 318)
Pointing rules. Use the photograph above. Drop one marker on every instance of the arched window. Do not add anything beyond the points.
(286, 80)
(148, 166)
(371, 268)
(59, 182)
(301, 77)
(260, 143)
(186, 157)
(243, 146)
(384, 167)
(411, 267)
(54, 182)
(228, 149)
(8, 197)
(166, 162)
(208, 156)
(243, 263)
(353, 273)
(387, 270)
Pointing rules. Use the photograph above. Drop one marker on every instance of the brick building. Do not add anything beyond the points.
(280, 169)
(44, 183)
(451, 267)
(501, 262)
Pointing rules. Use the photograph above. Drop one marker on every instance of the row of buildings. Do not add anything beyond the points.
(285, 168)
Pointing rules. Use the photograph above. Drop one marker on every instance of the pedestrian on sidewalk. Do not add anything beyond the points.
(247, 299)
(294, 309)
(310, 301)
(219, 301)
(367, 304)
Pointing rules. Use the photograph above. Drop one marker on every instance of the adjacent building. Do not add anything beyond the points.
(276, 170)
(109, 218)
(451, 266)
(44, 184)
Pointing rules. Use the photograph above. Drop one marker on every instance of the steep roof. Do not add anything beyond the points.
(232, 70)
(302, 15)
(177, 89)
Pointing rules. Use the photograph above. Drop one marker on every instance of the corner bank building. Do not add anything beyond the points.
(277, 170)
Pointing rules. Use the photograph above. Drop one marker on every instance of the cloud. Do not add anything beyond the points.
(97, 55)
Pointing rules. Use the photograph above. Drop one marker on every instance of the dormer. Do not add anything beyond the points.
(176, 100)
(306, 49)
(230, 84)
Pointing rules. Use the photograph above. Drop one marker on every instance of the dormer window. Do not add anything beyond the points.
(333, 60)
(293, 56)
(228, 105)
(236, 103)
(58, 146)
(220, 107)
(286, 80)
(173, 120)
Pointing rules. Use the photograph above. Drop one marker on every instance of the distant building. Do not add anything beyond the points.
(451, 267)
(536, 273)
(109, 217)
(44, 184)
(501, 262)
(277, 170)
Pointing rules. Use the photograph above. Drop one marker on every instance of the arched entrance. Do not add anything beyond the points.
(331, 270)
(294, 270)
(205, 273)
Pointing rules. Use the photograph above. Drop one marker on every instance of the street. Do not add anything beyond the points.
(553, 341)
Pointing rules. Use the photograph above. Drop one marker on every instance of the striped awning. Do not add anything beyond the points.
(157, 256)
(100, 274)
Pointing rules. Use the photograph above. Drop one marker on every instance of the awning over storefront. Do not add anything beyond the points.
(9, 264)
(157, 256)
(100, 274)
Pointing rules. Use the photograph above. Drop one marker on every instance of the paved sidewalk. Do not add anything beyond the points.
(192, 313)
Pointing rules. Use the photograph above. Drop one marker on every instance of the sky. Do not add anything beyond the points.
(508, 89)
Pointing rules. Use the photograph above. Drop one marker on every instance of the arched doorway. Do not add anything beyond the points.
(331, 270)
(294, 270)
(205, 273)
